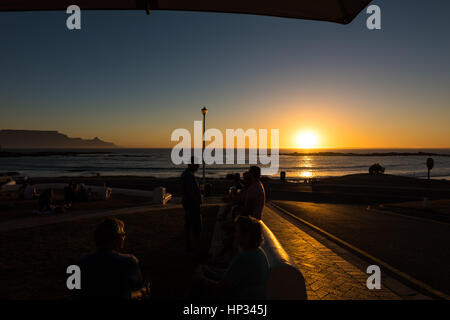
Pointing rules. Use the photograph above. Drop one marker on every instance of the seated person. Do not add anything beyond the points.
(30, 192)
(107, 273)
(45, 202)
(236, 186)
(240, 198)
(82, 193)
(236, 208)
(69, 194)
(255, 195)
(246, 277)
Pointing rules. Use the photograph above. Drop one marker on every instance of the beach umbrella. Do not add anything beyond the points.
(340, 11)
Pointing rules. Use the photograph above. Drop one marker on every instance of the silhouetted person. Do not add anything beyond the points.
(255, 196)
(69, 194)
(82, 194)
(30, 191)
(45, 202)
(246, 276)
(191, 200)
(107, 273)
(246, 182)
(236, 186)
(243, 207)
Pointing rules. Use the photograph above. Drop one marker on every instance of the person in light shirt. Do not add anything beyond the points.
(255, 196)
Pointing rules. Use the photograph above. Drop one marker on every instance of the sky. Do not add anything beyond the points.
(132, 78)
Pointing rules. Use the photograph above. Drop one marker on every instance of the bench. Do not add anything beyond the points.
(285, 281)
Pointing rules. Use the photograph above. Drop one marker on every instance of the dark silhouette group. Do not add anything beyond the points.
(108, 273)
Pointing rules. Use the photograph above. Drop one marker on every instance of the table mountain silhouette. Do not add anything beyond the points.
(47, 139)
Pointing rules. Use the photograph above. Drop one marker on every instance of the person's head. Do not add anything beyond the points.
(193, 166)
(255, 171)
(237, 177)
(247, 178)
(249, 234)
(110, 234)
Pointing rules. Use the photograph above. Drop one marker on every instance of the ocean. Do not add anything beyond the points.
(157, 163)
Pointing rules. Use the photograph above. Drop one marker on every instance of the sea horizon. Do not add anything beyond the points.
(298, 164)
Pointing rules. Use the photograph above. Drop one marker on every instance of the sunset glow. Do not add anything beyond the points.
(307, 140)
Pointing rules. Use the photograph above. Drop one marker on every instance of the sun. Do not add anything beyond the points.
(307, 140)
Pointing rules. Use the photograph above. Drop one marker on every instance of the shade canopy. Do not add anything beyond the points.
(340, 11)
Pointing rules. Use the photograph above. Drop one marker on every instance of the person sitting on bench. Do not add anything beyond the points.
(246, 277)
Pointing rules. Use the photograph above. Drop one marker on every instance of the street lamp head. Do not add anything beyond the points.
(204, 110)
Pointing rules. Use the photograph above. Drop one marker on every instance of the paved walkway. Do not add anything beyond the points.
(37, 221)
(328, 276)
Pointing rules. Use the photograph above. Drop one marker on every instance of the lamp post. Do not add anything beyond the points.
(204, 112)
(430, 165)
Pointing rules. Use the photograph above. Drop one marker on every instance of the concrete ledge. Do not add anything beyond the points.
(285, 282)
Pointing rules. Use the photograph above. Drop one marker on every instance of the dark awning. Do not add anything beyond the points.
(340, 11)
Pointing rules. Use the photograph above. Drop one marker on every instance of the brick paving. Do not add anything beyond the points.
(328, 276)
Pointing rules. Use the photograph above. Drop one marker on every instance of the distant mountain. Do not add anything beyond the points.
(47, 139)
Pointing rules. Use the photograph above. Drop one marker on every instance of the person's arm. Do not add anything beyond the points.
(249, 204)
(232, 278)
(259, 205)
(140, 289)
(220, 287)
(141, 293)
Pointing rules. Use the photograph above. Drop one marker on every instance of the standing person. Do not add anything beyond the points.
(255, 196)
(192, 200)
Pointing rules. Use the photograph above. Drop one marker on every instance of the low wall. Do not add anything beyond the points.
(285, 282)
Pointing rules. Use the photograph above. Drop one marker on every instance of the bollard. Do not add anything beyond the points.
(425, 202)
